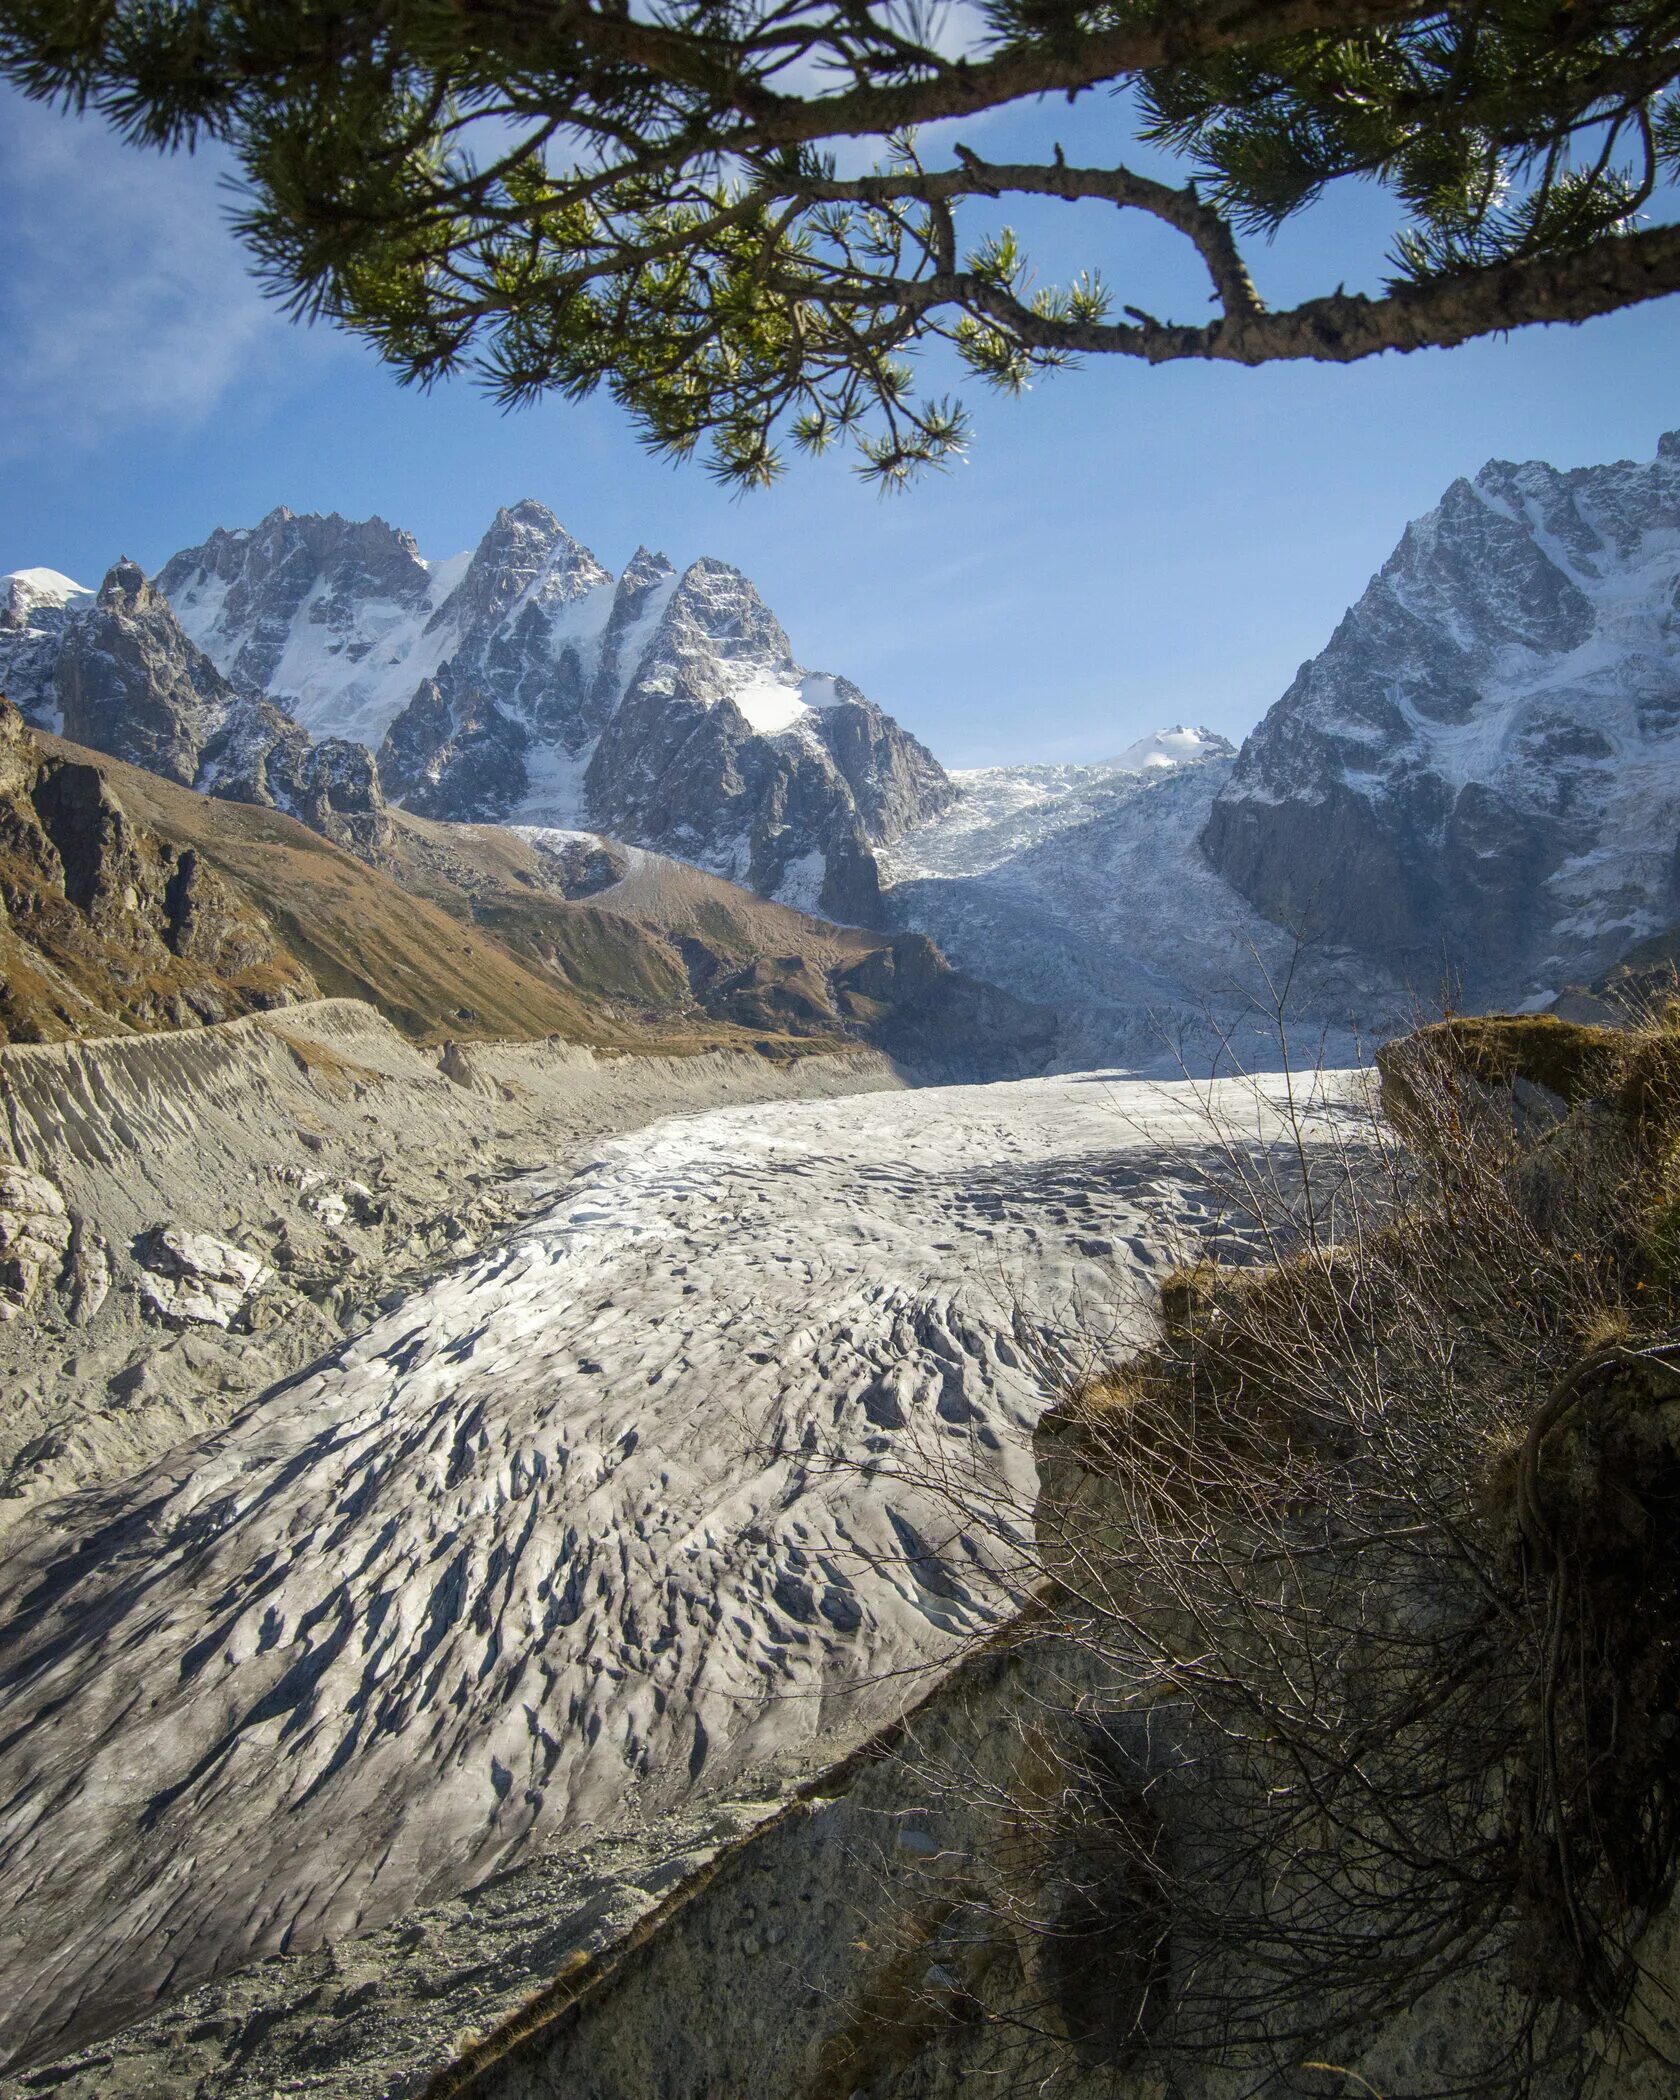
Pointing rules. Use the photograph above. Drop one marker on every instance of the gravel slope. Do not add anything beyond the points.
(353, 1163)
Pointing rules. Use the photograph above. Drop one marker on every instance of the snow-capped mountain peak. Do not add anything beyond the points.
(526, 560)
(42, 587)
(323, 614)
(646, 566)
(718, 640)
(1479, 775)
(34, 607)
(1165, 748)
(525, 682)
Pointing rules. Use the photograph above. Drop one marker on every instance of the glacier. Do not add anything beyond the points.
(691, 1477)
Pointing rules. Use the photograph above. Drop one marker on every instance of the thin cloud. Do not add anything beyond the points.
(124, 297)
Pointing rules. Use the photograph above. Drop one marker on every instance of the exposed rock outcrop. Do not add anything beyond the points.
(192, 1276)
(128, 682)
(263, 756)
(35, 1233)
(106, 923)
(1478, 780)
(453, 752)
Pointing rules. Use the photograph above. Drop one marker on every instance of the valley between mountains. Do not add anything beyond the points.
(652, 1499)
(554, 1156)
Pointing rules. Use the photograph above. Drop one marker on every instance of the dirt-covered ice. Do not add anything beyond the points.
(638, 1502)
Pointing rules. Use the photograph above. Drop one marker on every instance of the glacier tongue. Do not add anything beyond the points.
(1084, 888)
(635, 1502)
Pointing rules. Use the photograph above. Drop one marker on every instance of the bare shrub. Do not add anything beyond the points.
(1364, 1605)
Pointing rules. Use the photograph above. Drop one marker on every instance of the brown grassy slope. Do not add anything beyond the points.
(471, 930)
(105, 926)
(626, 925)
(624, 932)
(367, 933)
(490, 877)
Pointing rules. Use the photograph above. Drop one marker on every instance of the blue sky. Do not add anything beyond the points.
(1123, 548)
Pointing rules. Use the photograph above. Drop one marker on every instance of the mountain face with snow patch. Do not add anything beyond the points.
(1479, 776)
(527, 684)
(124, 679)
(35, 608)
(129, 682)
(318, 612)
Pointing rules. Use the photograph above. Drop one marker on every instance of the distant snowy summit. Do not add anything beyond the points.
(1166, 748)
(1003, 811)
(34, 605)
(30, 591)
(525, 683)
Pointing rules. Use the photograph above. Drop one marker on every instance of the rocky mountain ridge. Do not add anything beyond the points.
(1474, 788)
(1477, 781)
(525, 683)
(669, 706)
(113, 671)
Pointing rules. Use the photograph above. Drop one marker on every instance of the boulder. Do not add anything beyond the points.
(35, 1231)
(189, 1276)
